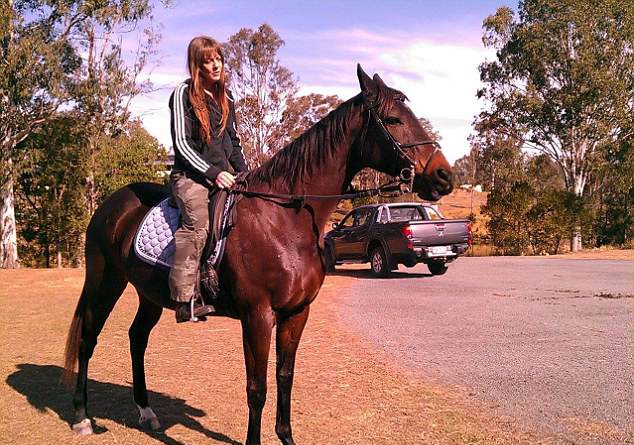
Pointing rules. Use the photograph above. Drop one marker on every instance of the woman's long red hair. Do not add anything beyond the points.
(200, 49)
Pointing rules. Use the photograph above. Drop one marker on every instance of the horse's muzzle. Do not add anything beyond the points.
(443, 181)
(434, 186)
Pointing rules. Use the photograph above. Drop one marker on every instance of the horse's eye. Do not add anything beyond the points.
(391, 120)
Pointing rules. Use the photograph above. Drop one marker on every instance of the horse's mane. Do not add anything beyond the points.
(296, 161)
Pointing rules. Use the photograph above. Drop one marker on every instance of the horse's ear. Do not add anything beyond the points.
(379, 81)
(368, 86)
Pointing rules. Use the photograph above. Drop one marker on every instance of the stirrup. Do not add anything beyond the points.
(192, 317)
(203, 310)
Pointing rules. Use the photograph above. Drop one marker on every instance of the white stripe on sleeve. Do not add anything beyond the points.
(181, 142)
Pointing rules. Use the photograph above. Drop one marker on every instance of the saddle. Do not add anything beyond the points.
(154, 240)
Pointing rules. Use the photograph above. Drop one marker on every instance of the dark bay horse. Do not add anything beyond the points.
(274, 264)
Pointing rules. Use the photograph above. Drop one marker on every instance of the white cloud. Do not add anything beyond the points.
(152, 108)
(153, 111)
(441, 82)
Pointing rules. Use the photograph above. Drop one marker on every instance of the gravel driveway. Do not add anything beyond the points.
(548, 342)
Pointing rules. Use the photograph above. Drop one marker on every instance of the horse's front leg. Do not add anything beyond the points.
(289, 332)
(257, 326)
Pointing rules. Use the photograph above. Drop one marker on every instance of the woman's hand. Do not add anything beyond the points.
(225, 180)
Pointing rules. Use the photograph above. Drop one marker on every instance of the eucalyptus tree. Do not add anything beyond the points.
(262, 87)
(42, 44)
(301, 113)
(36, 59)
(106, 85)
(563, 80)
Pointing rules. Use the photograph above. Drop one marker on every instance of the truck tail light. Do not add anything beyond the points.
(407, 233)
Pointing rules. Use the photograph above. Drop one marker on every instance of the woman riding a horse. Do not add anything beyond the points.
(205, 145)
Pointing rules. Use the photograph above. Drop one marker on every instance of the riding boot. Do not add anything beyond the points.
(192, 311)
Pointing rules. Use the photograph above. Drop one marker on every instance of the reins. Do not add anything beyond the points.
(383, 190)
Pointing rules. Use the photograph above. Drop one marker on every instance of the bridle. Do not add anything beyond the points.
(406, 174)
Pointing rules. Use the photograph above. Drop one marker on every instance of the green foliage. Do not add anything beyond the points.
(561, 82)
(132, 156)
(269, 112)
(499, 160)
(613, 202)
(41, 56)
(50, 203)
(465, 168)
(530, 212)
(552, 218)
(508, 210)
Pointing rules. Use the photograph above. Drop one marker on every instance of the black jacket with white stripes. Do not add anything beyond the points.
(191, 153)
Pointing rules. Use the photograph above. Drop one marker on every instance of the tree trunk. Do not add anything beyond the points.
(8, 234)
(575, 240)
(91, 188)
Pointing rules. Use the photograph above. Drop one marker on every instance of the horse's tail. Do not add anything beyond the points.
(94, 271)
(71, 353)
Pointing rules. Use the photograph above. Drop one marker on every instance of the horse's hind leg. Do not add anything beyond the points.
(102, 288)
(146, 318)
(289, 332)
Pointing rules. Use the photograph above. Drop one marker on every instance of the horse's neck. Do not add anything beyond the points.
(321, 162)
(333, 176)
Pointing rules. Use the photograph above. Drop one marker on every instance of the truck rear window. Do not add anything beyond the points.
(406, 214)
(433, 213)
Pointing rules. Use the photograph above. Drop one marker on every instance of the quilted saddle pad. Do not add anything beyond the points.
(154, 240)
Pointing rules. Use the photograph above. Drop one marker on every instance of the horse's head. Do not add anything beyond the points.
(396, 143)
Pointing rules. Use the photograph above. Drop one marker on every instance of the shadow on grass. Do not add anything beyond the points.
(40, 384)
(366, 274)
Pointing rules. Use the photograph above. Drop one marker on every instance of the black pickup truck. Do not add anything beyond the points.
(387, 235)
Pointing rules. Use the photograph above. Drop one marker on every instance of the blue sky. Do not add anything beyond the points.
(428, 49)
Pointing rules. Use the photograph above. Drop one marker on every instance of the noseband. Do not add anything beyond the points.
(407, 174)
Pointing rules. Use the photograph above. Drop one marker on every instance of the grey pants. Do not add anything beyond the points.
(192, 199)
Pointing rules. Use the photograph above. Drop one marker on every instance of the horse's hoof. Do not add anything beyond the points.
(147, 417)
(83, 428)
(153, 424)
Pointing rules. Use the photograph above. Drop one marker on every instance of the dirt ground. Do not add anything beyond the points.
(599, 254)
(344, 392)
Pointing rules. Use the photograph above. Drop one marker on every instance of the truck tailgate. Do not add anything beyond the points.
(439, 232)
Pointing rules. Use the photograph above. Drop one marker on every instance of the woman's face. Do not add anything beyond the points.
(211, 69)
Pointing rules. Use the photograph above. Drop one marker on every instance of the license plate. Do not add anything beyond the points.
(436, 250)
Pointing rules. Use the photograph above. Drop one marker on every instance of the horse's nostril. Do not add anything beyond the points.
(444, 174)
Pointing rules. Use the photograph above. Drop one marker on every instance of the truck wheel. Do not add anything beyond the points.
(437, 267)
(378, 262)
(329, 259)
